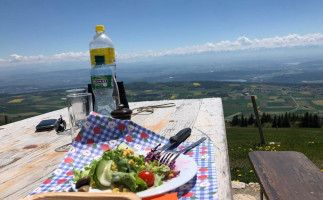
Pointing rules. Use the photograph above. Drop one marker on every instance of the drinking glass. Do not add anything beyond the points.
(69, 92)
(75, 91)
(79, 106)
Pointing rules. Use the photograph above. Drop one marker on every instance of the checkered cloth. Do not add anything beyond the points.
(100, 133)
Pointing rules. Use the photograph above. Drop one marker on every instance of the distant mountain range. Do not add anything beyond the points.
(284, 65)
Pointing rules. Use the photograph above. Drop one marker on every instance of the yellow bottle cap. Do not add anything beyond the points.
(99, 28)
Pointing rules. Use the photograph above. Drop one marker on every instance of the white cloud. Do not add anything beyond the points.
(242, 43)
(15, 58)
(71, 55)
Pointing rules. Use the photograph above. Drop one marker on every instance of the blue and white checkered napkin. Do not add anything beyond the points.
(99, 133)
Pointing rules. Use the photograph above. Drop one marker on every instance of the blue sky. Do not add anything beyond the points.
(40, 31)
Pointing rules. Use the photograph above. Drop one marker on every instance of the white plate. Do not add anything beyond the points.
(185, 164)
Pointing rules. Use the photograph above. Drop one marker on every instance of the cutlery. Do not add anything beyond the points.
(176, 140)
(169, 156)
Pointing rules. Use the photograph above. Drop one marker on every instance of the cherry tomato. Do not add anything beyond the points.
(148, 177)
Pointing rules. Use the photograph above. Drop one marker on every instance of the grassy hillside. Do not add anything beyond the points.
(243, 140)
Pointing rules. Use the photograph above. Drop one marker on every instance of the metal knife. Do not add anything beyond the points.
(176, 140)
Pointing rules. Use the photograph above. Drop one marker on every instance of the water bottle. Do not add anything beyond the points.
(103, 84)
(101, 45)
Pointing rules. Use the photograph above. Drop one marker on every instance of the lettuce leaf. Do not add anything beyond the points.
(158, 180)
(86, 171)
(155, 168)
(130, 180)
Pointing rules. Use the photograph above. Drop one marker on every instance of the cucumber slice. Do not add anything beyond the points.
(123, 146)
(103, 172)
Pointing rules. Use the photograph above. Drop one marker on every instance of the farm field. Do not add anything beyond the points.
(271, 98)
(21, 106)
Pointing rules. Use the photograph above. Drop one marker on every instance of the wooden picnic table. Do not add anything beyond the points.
(27, 157)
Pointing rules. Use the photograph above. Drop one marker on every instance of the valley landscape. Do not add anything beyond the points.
(272, 98)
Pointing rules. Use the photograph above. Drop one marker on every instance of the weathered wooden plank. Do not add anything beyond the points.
(158, 119)
(28, 158)
(287, 175)
(20, 178)
(33, 167)
(210, 122)
(15, 143)
(183, 117)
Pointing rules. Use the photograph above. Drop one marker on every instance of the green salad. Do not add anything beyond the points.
(122, 170)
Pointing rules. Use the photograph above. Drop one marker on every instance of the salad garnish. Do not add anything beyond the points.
(122, 170)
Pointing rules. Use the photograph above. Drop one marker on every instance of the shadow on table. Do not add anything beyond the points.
(182, 190)
(64, 148)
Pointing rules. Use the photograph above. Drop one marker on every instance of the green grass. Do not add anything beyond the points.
(273, 104)
(280, 110)
(243, 140)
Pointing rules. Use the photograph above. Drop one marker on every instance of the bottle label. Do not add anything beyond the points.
(101, 81)
(108, 54)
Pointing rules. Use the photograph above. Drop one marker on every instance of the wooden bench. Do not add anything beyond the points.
(287, 175)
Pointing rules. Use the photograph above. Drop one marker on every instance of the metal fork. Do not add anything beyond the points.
(169, 156)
